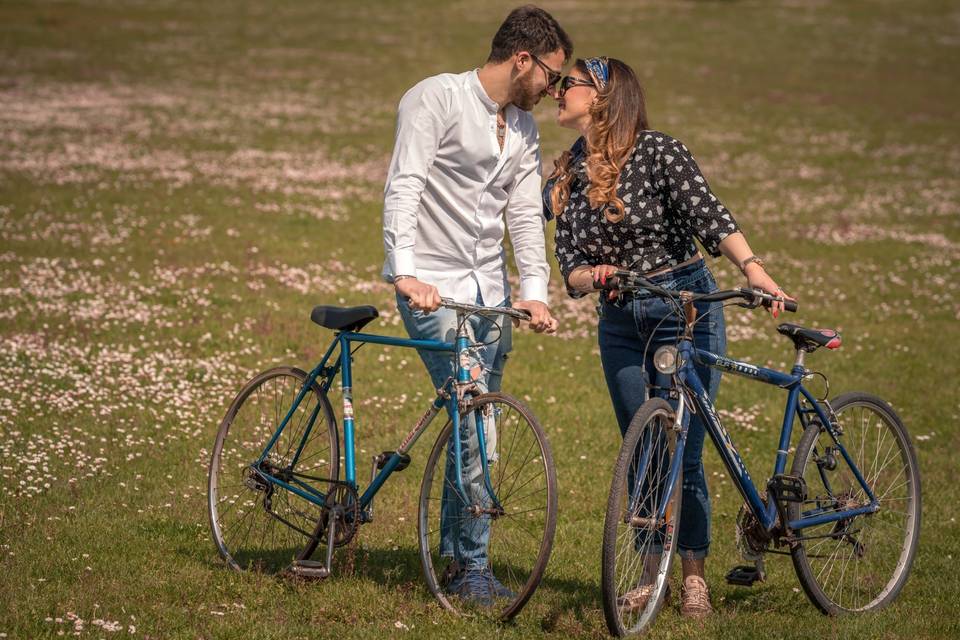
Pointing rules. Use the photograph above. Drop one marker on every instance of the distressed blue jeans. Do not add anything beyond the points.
(463, 537)
(624, 331)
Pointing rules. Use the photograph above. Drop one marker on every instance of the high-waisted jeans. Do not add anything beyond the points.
(625, 329)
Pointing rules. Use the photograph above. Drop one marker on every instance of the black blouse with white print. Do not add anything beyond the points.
(667, 203)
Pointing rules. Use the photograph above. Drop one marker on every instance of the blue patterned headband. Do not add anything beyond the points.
(598, 69)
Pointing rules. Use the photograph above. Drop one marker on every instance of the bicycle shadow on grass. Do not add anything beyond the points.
(400, 567)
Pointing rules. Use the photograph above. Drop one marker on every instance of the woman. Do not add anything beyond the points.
(626, 197)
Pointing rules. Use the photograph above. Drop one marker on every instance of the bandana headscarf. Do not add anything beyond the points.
(598, 69)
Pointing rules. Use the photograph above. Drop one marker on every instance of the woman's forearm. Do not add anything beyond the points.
(735, 248)
(581, 279)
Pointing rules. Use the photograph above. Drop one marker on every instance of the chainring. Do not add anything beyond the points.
(342, 500)
(752, 540)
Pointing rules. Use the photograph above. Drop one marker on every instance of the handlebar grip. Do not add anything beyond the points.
(788, 305)
(613, 282)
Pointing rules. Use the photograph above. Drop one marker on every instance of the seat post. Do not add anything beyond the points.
(801, 354)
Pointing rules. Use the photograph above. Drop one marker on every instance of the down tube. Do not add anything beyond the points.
(721, 439)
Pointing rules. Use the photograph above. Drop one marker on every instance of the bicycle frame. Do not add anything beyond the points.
(342, 364)
(692, 390)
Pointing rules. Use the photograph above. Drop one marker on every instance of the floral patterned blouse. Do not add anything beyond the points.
(667, 203)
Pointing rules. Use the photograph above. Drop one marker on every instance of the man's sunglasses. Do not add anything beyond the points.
(553, 77)
(569, 82)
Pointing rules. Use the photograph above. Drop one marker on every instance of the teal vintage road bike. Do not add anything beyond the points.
(283, 477)
(847, 511)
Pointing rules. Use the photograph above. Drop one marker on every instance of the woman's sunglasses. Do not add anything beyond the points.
(569, 82)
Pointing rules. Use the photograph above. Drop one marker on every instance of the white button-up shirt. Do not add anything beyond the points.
(450, 188)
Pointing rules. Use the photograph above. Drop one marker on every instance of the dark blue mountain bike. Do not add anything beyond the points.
(277, 491)
(847, 511)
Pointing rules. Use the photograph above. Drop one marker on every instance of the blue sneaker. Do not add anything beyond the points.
(479, 586)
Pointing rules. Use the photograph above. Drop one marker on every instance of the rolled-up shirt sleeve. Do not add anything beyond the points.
(692, 199)
(525, 222)
(420, 124)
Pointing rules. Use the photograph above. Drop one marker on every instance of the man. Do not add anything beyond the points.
(466, 159)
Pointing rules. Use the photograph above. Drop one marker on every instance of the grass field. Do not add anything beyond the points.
(181, 182)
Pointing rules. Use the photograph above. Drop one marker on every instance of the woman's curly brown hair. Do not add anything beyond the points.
(616, 117)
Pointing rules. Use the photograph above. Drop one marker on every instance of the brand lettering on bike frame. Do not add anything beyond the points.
(733, 366)
(722, 432)
(421, 425)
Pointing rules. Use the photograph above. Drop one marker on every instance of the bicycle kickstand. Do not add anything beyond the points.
(312, 569)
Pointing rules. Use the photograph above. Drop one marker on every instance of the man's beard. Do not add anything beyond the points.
(524, 97)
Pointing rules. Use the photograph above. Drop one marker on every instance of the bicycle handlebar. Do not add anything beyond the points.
(519, 314)
(627, 281)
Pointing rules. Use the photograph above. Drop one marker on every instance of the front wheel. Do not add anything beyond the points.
(639, 531)
(860, 563)
(477, 558)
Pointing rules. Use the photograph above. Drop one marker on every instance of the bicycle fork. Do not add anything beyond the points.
(660, 516)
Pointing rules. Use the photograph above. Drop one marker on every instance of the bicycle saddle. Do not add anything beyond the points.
(343, 318)
(810, 339)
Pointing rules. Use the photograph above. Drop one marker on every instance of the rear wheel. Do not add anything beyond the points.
(256, 523)
(519, 538)
(638, 545)
(861, 563)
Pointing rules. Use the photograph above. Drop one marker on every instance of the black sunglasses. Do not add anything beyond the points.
(569, 82)
(553, 77)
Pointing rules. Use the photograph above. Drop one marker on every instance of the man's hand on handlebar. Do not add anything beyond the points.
(540, 319)
(422, 296)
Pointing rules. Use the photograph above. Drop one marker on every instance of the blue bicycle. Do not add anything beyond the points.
(848, 510)
(276, 491)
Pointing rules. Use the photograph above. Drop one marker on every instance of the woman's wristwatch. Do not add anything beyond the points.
(756, 259)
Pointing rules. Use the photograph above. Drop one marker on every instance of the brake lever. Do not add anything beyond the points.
(754, 301)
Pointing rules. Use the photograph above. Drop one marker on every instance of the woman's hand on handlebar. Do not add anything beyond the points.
(758, 278)
(602, 273)
(540, 319)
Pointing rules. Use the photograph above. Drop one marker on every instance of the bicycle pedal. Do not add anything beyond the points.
(308, 570)
(745, 575)
(788, 488)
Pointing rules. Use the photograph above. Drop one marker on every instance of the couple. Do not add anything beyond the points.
(467, 159)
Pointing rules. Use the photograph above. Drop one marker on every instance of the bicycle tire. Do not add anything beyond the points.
(248, 537)
(524, 479)
(635, 578)
(894, 478)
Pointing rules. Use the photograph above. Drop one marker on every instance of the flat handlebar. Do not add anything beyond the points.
(629, 281)
(519, 314)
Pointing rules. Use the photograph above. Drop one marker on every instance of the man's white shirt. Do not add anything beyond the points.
(450, 188)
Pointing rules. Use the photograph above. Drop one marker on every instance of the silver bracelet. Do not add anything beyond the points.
(756, 259)
(398, 278)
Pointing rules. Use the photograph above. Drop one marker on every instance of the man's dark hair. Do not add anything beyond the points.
(529, 28)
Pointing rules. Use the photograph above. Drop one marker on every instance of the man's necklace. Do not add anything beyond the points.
(501, 128)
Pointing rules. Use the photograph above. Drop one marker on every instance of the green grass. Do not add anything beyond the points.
(180, 183)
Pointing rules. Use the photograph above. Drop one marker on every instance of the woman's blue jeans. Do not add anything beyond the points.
(625, 329)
